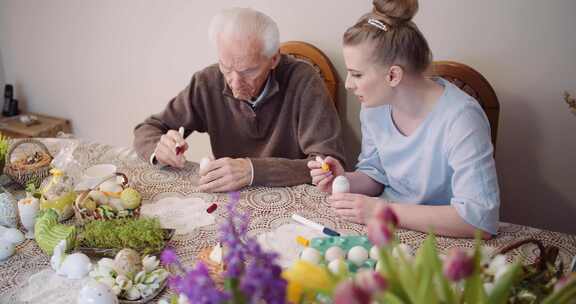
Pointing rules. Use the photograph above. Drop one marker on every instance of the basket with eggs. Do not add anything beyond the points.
(111, 198)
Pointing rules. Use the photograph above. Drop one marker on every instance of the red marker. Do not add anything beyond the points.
(212, 208)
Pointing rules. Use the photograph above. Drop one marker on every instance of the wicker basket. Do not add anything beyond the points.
(216, 270)
(26, 170)
(84, 216)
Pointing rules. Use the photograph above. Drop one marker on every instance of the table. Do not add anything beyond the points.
(47, 126)
(269, 209)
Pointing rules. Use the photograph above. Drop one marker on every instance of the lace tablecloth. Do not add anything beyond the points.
(270, 210)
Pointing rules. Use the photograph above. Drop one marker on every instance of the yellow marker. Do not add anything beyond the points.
(325, 166)
(302, 241)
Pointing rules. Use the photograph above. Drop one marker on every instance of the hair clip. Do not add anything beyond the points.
(377, 23)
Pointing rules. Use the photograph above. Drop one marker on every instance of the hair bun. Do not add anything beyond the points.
(395, 12)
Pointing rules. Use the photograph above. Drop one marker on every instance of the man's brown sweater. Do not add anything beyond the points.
(294, 121)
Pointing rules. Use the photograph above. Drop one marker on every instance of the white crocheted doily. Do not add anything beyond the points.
(282, 240)
(181, 213)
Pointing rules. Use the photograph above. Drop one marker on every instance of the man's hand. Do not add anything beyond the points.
(225, 174)
(357, 208)
(165, 151)
(321, 178)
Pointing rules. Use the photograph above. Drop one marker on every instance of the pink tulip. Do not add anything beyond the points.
(387, 215)
(371, 282)
(348, 293)
(458, 265)
(379, 232)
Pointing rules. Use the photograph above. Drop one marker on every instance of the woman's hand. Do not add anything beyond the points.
(357, 208)
(322, 178)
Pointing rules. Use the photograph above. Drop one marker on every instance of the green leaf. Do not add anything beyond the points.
(390, 272)
(390, 298)
(502, 287)
(566, 294)
(430, 260)
(474, 286)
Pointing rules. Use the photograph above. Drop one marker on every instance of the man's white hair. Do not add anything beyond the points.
(246, 22)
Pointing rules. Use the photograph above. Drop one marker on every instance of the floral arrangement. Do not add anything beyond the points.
(463, 276)
(251, 274)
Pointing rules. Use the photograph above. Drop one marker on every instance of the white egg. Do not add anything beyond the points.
(311, 255)
(12, 235)
(75, 266)
(99, 197)
(375, 253)
(6, 250)
(334, 253)
(335, 266)
(96, 293)
(358, 255)
(340, 185)
(116, 203)
(204, 163)
(319, 158)
(110, 186)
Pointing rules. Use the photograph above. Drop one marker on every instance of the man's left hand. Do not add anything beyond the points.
(357, 208)
(225, 174)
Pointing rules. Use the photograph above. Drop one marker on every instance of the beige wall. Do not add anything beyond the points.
(108, 64)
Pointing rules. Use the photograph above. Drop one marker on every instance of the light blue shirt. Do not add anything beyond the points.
(446, 160)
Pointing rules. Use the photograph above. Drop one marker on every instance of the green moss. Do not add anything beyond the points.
(143, 235)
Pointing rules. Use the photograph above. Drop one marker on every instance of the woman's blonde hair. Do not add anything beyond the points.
(395, 39)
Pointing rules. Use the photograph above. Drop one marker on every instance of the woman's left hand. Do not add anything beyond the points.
(357, 208)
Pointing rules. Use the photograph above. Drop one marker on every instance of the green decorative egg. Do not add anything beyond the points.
(131, 198)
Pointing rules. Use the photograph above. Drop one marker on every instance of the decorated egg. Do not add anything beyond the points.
(75, 266)
(6, 250)
(340, 185)
(96, 293)
(12, 235)
(110, 186)
(311, 255)
(131, 198)
(334, 253)
(116, 203)
(336, 266)
(358, 255)
(375, 253)
(99, 197)
(127, 262)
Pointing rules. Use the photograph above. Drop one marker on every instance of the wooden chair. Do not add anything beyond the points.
(311, 54)
(473, 83)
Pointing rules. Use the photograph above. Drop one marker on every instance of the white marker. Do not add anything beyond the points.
(179, 149)
(308, 223)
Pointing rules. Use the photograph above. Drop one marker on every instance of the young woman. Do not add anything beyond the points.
(426, 149)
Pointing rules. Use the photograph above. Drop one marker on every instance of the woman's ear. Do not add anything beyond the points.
(395, 75)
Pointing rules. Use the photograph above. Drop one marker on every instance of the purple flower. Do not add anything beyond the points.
(258, 275)
(379, 232)
(348, 292)
(198, 287)
(168, 257)
(458, 265)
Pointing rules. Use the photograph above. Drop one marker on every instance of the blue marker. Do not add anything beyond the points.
(308, 223)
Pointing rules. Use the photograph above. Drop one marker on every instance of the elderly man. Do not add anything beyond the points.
(266, 114)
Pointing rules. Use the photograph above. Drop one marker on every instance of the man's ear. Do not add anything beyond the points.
(275, 60)
(395, 75)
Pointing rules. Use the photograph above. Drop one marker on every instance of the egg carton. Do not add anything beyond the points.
(322, 244)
